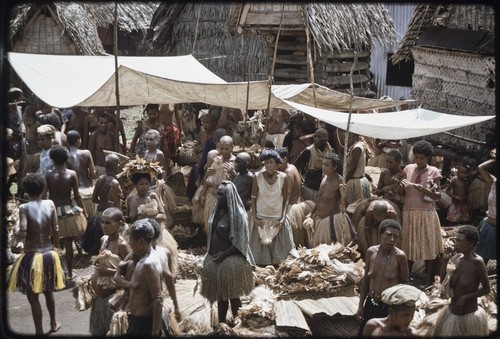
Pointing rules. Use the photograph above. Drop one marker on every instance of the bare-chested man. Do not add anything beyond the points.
(390, 178)
(107, 193)
(145, 297)
(91, 124)
(101, 139)
(293, 175)
(385, 266)
(61, 183)
(39, 231)
(82, 163)
(466, 280)
(244, 180)
(331, 224)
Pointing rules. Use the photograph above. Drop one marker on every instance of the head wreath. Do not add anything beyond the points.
(139, 165)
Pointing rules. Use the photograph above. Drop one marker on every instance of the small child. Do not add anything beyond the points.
(152, 139)
(38, 269)
(401, 301)
(458, 212)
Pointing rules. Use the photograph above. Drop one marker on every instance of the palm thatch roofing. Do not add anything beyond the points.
(334, 26)
(80, 20)
(425, 16)
(223, 38)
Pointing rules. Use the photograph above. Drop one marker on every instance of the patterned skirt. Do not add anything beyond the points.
(422, 239)
(37, 272)
(228, 279)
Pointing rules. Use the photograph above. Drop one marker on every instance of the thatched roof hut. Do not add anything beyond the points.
(235, 39)
(81, 28)
(453, 49)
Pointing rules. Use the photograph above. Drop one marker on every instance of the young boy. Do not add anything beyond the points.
(60, 183)
(401, 301)
(38, 269)
(244, 180)
(101, 139)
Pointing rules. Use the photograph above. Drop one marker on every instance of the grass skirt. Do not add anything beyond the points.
(323, 229)
(88, 205)
(210, 201)
(72, 225)
(37, 272)
(358, 189)
(466, 325)
(228, 279)
(487, 245)
(168, 241)
(100, 316)
(422, 239)
(296, 215)
(277, 251)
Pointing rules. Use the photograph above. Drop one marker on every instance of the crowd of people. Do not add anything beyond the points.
(80, 194)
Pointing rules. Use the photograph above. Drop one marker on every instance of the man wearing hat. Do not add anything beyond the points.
(401, 300)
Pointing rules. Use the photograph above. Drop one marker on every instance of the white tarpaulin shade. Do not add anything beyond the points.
(72, 80)
(394, 125)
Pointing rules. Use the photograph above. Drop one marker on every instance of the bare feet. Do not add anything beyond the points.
(54, 328)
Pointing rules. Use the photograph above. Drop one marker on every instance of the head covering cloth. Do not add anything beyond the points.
(400, 294)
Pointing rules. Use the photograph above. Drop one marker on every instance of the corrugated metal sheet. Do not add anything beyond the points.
(401, 15)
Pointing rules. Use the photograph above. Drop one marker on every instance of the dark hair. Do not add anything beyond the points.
(59, 154)
(142, 228)
(73, 137)
(470, 232)
(321, 132)
(270, 153)
(139, 175)
(282, 151)
(333, 158)
(33, 184)
(115, 213)
(461, 164)
(156, 227)
(152, 106)
(370, 95)
(423, 147)
(102, 114)
(396, 154)
(389, 223)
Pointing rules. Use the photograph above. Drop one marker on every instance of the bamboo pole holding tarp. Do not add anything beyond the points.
(263, 141)
(309, 54)
(117, 82)
(346, 138)
(246, 107)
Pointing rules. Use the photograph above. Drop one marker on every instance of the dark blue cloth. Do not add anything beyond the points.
(487, 245)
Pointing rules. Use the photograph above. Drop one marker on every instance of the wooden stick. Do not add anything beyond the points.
(271, 78)
(117, 83)
(309, 55)
(246, 108)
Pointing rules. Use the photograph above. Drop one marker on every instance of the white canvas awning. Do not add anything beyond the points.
(75, 80)
(393, 125)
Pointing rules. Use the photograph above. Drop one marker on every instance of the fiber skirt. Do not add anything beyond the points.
(228, 279)
(487, 245)
(100, 316)
(421, 238)
(466, 325)
(37, 272)
(72, 225)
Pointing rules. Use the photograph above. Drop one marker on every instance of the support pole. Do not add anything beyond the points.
(246, 107)
(117, 83)
(271, 78)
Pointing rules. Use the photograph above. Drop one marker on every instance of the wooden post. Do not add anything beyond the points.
(346, 139)
(271, 78)
(246, 108)
(117, 83)
(309, 54)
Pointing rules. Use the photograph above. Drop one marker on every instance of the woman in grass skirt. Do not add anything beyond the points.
(227, 267)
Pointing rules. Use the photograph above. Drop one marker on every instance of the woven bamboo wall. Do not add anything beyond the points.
(44, 36)
(456, 83)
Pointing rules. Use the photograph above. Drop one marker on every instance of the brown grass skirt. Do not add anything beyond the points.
(422, 239)
(100, 316)
(228, 279)
(466, 325)
(72, 225)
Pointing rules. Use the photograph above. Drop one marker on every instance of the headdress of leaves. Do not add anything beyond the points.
(140, 165)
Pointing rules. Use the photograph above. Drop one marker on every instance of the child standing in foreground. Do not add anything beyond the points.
(458, 212)
(38, 269)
